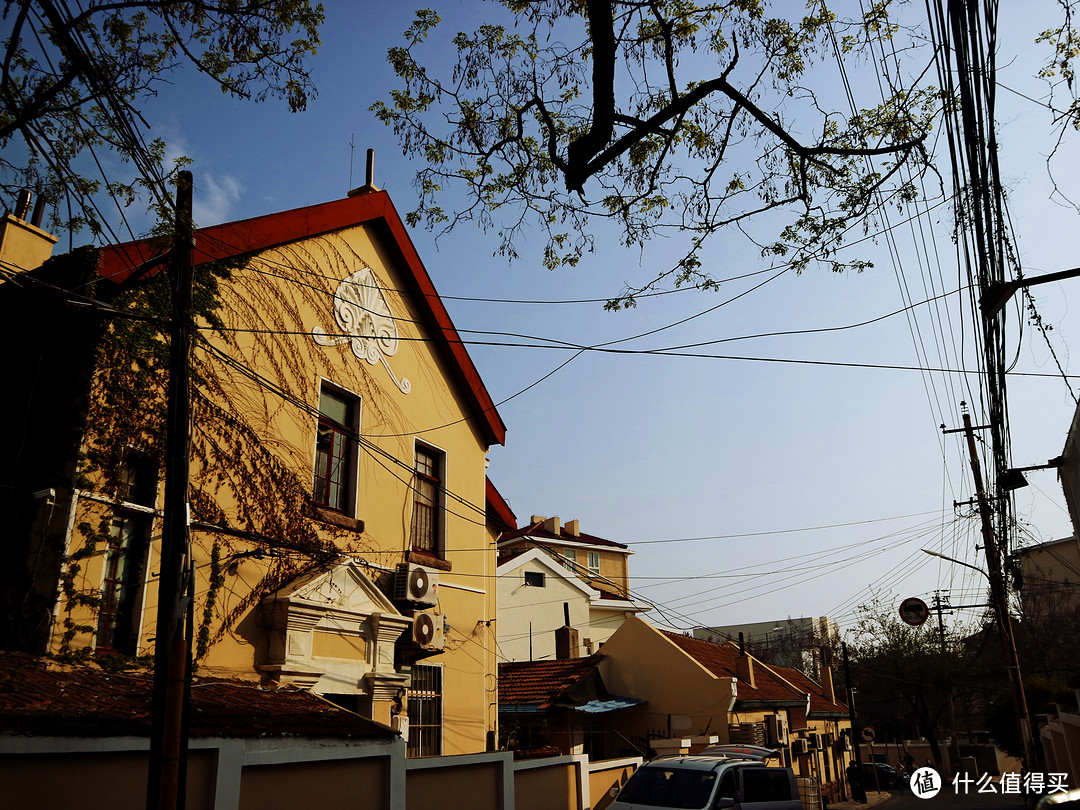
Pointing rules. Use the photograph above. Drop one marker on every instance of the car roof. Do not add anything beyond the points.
(702, 762)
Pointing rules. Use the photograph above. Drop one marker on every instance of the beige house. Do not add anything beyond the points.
(553, 576)
(339, 505)
(695, 688)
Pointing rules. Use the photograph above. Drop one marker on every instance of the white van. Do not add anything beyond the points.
(708, 783)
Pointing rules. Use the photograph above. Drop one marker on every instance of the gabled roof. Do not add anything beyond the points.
(40, 698)
(818, 703)
(536, 531)
(232, 239)
(542, 558)
(538, 684)
(720, 660)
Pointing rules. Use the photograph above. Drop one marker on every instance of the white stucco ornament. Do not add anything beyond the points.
(365, 322)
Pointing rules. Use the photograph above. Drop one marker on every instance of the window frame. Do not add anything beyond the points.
(125, 567)
(539, 580)
(589, 557)
(436, 535)
(418, 743)
(349, 431)
(569, 562)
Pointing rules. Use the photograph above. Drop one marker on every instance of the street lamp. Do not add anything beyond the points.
(1013, 478)
(958, 562)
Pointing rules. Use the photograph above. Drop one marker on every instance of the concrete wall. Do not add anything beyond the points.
(58, 774)
(530, 615)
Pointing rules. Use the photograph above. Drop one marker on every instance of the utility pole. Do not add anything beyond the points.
(172, 645)
(858, 790)
(998, 595)
(941, 604)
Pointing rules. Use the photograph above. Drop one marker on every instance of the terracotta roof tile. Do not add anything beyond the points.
(720, 660)
(540, 683)
(41, 698)
(817, 694)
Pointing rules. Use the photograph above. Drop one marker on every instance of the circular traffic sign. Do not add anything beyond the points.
(914, 611)
(868, 734)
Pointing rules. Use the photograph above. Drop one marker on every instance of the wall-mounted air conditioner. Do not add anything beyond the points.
(416, 584)
(799, 747)
(776, 730)
(429, 631)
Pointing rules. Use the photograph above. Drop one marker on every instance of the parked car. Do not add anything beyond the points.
(886, 775)
(721, 782)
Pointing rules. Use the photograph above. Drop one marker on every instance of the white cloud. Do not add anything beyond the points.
(214, 198)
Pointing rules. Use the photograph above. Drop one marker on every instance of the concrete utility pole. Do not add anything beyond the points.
(998, 595)
(172, 647)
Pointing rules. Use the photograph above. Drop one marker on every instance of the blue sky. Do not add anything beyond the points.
(815, 484)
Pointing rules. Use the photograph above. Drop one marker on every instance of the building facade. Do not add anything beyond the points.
(338, 490)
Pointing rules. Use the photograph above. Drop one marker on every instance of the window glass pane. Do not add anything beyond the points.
(121, 588)
(334, 455)
(334, 407)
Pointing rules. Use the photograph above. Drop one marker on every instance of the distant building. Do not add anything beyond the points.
(555, 579)
(787, 642)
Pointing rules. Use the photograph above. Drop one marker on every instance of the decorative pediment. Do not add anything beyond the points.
(365, 322)
(342, 590)
(335, 627)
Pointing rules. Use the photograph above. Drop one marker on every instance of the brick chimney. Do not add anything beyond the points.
(24, 245)
(553, 524)
(744, 665)
(567, 644)
(827, 682)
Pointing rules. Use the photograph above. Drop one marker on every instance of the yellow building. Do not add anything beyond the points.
(338, 487)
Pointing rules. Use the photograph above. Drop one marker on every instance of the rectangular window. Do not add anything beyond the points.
(425, 712)
(427, 500)
(125, 557)
(594, 562)
(534, 579)
(335, 456)
(570, 559)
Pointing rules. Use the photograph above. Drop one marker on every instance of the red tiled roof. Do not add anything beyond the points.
(40, 698)
(720, 660)
(217, 242)
(498, 508)
(536, 531)
(540, 683)
(805, 684)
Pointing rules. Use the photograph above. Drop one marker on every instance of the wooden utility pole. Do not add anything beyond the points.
(998, 596)
(172, 645)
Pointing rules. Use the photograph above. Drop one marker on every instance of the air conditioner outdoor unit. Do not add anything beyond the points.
(813, 742)
(798, 747)
(776, 729)
(429, 631)
(416, 584)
